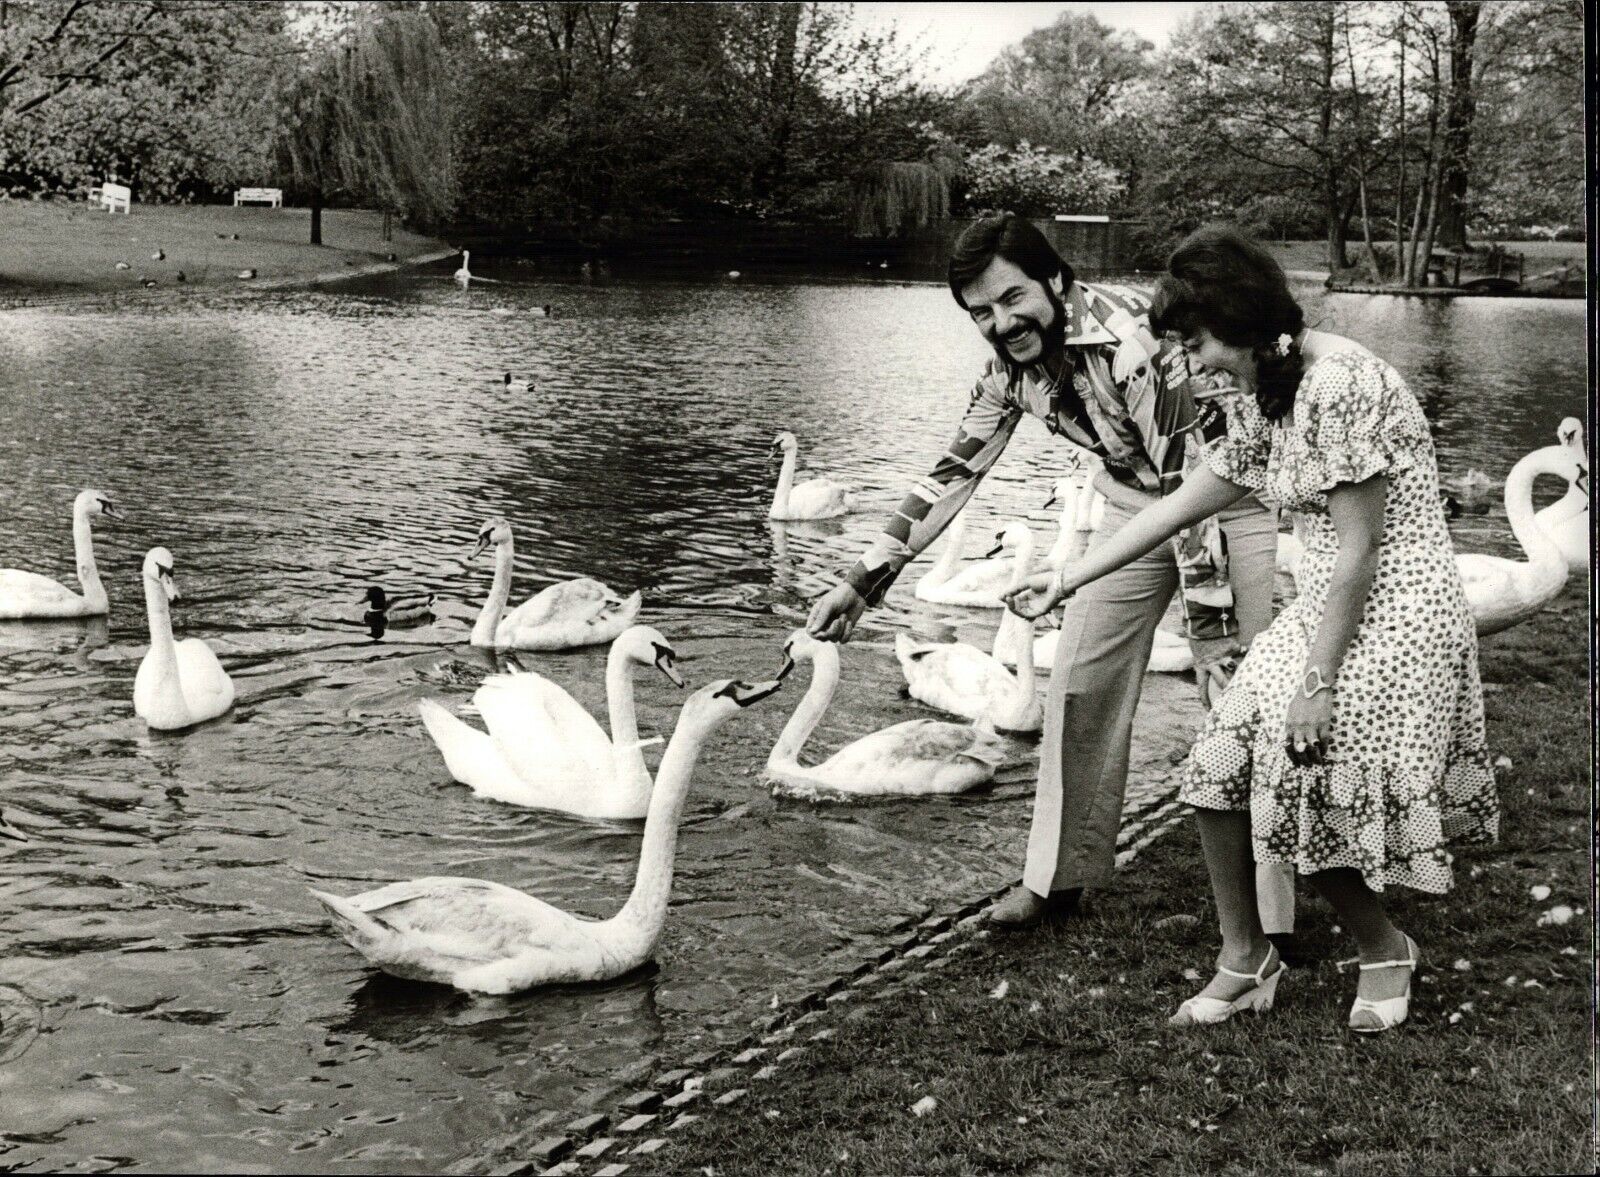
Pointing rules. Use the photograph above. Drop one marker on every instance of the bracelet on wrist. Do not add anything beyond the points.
(1313, 683)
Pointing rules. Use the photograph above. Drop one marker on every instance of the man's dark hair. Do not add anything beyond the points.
(1009, 236)
(1221, 279)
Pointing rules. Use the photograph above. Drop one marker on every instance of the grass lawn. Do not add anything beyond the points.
(1048, 1051)
(60, 246)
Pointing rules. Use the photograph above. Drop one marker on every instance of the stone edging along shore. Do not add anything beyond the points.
(344, 275)
(632, 1136)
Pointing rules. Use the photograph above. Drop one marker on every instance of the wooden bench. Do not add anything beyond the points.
(116, 196)
(268, 196)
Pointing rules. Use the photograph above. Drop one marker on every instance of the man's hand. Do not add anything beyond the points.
(834, 616)
(1214, 666)
(1035, 597)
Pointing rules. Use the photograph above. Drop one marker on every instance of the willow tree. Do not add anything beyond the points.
(368, 118)
(894, 199)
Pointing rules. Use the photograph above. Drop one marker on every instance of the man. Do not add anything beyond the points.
(1082, 359)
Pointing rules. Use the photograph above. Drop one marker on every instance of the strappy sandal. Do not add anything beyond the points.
(1391, 1011)
(1208, 1011)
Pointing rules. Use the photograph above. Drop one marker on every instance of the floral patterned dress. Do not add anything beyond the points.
(1408, 770)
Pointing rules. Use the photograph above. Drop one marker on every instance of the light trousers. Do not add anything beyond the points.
(1107, 631)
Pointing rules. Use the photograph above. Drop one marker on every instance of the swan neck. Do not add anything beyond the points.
(1014, 629)
(619, 706)
(94, 593)
(646, 909)
(159, 611)
(954, 540)
(780, 500)
(824, 681)
(1541, 549)
(483, 632)
(1067, 531)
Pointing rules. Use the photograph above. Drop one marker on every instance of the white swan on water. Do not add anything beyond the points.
(818, 498)
(463, 276)
(1502, 592)
(28, 595)
(179, 684)
(977, 585)
(543, 750)
(1566, 521)
(563, 616)
(484, 937)
(965, 681)
(915, 757)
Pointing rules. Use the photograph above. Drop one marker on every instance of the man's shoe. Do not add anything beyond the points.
(1021, 908)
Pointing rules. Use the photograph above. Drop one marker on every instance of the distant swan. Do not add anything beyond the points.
(965, 681)
(819, 498)
(484, 937)
(543, 750)
(977, 585)
(1502, 592)
(179, 684)
(910, 758)
(1566, 522)
(517, 383)
(563, 616)
(463, 276)
(25, 595)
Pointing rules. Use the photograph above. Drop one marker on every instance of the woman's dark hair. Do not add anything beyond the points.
(1009, 236)
(1220, 279)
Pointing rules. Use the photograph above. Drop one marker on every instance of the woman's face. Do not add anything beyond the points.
(1205, 350)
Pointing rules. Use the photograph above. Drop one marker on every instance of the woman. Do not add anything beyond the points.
(1351, 742)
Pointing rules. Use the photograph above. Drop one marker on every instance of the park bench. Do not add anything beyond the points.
(267, 196)
(114, 196)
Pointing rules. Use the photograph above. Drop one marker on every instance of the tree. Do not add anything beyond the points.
(368, 118)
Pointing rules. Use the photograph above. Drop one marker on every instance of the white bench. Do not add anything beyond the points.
(116, 196)
(267, 196)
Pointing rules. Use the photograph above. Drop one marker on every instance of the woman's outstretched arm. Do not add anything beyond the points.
(1202, 494)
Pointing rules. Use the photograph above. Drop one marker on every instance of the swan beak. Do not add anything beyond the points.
(110, 510)
(665, 666)
(788, 665)
(996, 550)
(1049, 502)
(171, 587)
(478, 548)
(746, 694)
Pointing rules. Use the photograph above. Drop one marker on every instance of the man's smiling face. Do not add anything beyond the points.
(1016, 313)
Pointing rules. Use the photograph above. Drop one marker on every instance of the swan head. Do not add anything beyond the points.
(494, 531)
(95, 503)
(798, 647)
(717, 702)
(158, 567)
(784, 443)
(647, 647)
(1061, 490)
(1570, 433)
(1014, 537)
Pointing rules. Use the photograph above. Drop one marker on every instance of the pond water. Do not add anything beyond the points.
(171, 997)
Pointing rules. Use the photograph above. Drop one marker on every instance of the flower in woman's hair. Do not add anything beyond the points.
(1282, 344)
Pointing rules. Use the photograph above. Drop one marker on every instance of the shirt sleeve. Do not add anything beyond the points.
(990, 420)
(1357, 420)
(1240, 454)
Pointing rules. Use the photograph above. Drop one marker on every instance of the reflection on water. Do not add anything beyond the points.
(169, 991)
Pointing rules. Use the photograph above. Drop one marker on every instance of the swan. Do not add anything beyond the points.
(1170, 653)
(25, 595)
(563, 616)
(965, 681)
(484, 937)
(544, 751)
(1501, 592)
(978, 585)
(911, 758)
(1567, 521)
(179, 684)
(819, 498)
(1291, 550)
(463, 276)
(518, 383)
(402, 608)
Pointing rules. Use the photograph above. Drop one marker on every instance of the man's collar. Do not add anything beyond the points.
(1084, 327)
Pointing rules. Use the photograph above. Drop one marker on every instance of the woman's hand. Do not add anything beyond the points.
(1035, 597)
(1308, 726)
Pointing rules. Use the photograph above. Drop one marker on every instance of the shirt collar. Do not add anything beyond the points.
(1084, 327)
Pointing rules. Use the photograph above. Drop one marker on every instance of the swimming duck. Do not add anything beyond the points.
(399, 608)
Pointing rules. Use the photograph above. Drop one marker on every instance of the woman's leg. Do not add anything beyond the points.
(1377, 939)
(1225, 839)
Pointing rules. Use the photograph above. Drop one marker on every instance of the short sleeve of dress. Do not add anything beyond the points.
(1357, 419)
(1240, 455)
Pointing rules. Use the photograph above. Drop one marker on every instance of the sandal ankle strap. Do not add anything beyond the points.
(1260, 974)
(1410, 962)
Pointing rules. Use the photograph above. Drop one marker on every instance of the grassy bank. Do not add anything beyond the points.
(58, 247)
(1048, 1051)
(1312, 256)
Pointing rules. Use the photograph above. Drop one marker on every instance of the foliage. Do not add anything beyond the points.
(164, 96)
(1034, 181)
(891, 199)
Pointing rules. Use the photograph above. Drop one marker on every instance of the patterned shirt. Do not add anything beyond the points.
(1130, 404)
